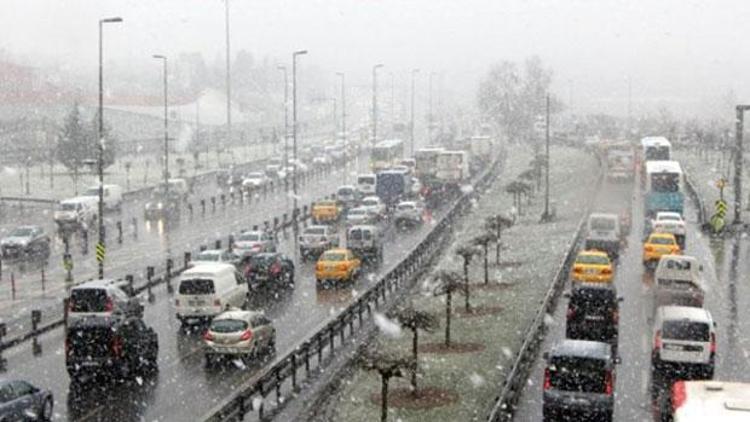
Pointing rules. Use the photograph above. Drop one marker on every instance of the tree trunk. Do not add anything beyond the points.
(384, 398)
(415, 339)
(466, 284)
(448, 319)
(497, 247)
(486, 264)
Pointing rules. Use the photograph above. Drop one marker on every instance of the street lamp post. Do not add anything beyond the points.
(375, 102)
(411, 125)
(294, 129)
(100, 141)
(343, 124)
(738, 160)
(546, 216)
(429, 112)
(286, 121)
(228, 83)
(166, 125)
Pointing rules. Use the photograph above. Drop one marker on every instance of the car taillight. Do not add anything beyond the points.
(577, 270)
(606, 271)
(679, 395)
(109, 305)
(208, 336)
(571, 313)
(177, 302)
(649, 248)
(608, 384)
(67, 347)
(657, 340)
(713, 343)
(615, 316)
(116, 346)
(246, 335)
(71, 305)
(342, 267)
(319, 266)
(547, 379)
(217, 302)
(275, 268)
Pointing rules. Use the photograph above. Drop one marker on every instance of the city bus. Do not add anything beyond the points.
(654, 148)
(386, 154)
(663, 188)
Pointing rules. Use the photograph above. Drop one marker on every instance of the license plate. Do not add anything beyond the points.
(89, 363)
(594, 318)
(196, 302)
(675, 347)
(592, 271)
(330, 268)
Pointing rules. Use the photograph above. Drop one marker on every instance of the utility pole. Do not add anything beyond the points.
(294, 130)
(228, 79)
(166, 126)
(411, 125)
(375, 102)
(286, 118)
(343, 125)
(393, 104)
(738, 159)
(546, 216)
(429, 112)
(100, 143)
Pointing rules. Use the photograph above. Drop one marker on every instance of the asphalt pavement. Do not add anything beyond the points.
(728, 299)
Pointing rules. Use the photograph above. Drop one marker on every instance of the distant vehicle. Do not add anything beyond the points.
(298, 165)
(663, 188)
(592, 266)
(679, 280)
(656, 148)
(409, 163)
(206, 290)
(337, 265)
(326, 211)
(374, 204)
(386, 154)
(111, 196)
(453, 167)
(361, 215)
(179, 186)
(671, 222)
(255, 180)
(365, 242)
(113, 346)
(314, 240)
(593, 313)
(346, 195)
(426, 161)
(21, 401)
(579, 381)
(684, 343)
(223, 256)
(321, 160)
(271, 269)
(254, 241)
(106, 298)
(408, 212)
(366, 184)
(76, 213)
(620, 162)
(393, 186)
(162, 205)
(658, 245)
(692, 401)
(275, 171)
(604, 234)
(481, 148)
(245, 334)
(25, 242)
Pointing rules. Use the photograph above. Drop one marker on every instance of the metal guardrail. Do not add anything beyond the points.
(284, 374)
(505, 403)
(697, 199)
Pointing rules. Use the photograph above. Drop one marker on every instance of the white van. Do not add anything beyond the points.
(207, 290)
(679, 281)
(366, 184)
(78, 212)
(112, 196)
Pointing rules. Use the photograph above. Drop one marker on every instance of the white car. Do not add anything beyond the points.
(235, 332)
(684, 342)
(111, 195)
(366, 184)
(215, 256)
(320, 160)
(409, 211)
(671, 222)
(678, 280)
(361, 216)
(76, 212)
(374, 204)
(254, 241)
(254, 180)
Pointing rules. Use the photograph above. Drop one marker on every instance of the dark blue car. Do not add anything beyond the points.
(21, 401)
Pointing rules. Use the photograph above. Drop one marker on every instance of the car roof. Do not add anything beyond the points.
(584, 285)
(408, 203)
(237, 314)
(669, 214)
(582, 348)
(660, 234)
(28, 227)
(603, 215)
(336, 250)
(371, 197)
(101, 283)
(258, 232)
(346, 187)
(318, 226)
(363, 226)
(208, 269)
(685, 312)
(593, 252)
(265, 255)
(679, 258)
(211, 251)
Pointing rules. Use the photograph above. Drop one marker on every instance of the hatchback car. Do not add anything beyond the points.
(103, 298)
(409, 212)
(592, 266)
(374, 204)
(593, 313)
(238, 333)
(579, 381)
(658, 245)
(268, 269)
(337, 264)
(254, 241)
(360, 215)
(314, 240)
(21, 401)
(684, 343)
(25, 242)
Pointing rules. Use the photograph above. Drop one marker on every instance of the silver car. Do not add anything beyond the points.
(254, 241)
(244, 334)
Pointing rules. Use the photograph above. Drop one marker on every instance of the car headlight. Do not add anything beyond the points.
(160, 205)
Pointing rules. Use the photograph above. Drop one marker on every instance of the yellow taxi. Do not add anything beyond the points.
(325, 211)
(657, 245)
(337, 264)
(592, 266)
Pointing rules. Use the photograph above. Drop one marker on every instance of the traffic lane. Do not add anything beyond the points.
(164, 242)
(610, 198)
(183, 386)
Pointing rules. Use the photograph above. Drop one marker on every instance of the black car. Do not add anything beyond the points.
(21, 401)
(162, 205)
(579, 381)
(268, 268)
(593, 313)
(110, 346)
(25, 242)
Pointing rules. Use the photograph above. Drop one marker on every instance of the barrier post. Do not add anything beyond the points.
(168, 276)
(186, 258)
(149, 277)
(119, 232)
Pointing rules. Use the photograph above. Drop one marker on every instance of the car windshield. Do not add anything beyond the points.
(208, 256)
(602, 224)
(261, 261)
(334, 256)
(68, 206)
(196, 286)
(577, 374)
(370, 202)
(661, 240)
(405, 207)
(685, 330)
(668, 217)
(88, 300)
(591, 259)
(346, 191)
(228, 325)
(22, 232)
(357, 212)
(366, 181)
(315, 231)
(249, 237)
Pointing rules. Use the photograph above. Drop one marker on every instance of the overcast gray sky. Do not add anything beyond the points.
(685, 54)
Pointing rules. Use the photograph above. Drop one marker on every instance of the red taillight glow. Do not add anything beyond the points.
(246, 335)
(342, 267)
(208, 336)
(547, 380)
(679, 395)
(657, 340)
(217, 302)
(571, 313)
(577, 270)
(71, 305)
(713, 343)
(608, 384)
(67, 346)
(177, 302)
(109, 305)
(117, 345)
(649, 248)
(606, 271)
(275, 268)
(615, 316)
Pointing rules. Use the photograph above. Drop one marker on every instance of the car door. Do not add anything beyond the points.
(240, 290)
(23, 400)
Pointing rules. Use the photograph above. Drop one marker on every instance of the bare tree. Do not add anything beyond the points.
(496, 224)
(448, 283)
(388, 366)
(483, 241)
(415, 320)
(467, 252)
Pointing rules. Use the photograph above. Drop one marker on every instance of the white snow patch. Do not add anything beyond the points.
(139, 380)
(257, 401)
(239, 364)
(548, 320)
(476, 380)
(507, 352)
(388, 327)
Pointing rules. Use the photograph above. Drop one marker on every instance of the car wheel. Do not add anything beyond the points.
(271, 346)
(210, 360)
(47, 408)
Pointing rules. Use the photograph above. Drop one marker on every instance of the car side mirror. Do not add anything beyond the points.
(545, 355)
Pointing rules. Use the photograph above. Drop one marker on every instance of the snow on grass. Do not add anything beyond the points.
(388, 327)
